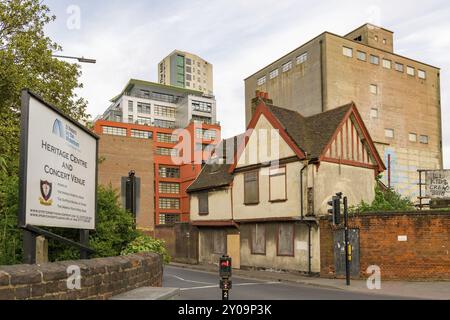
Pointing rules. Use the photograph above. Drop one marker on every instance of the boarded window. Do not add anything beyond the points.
(259, 239)
(251, 187)
(277, 182)
(219, 238)
(203, 206)
(286, 240)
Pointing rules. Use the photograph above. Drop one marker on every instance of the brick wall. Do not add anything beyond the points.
(425, 254)
(100, 278)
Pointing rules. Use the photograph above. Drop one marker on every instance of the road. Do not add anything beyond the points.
(200, 285)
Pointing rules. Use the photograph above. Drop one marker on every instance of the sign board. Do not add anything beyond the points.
(437, 184)
(58, 174)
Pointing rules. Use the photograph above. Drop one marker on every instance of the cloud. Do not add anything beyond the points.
(238, 37)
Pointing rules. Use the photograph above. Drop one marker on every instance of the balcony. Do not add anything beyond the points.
(155, 97)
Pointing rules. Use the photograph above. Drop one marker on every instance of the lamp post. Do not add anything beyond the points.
(80, 59)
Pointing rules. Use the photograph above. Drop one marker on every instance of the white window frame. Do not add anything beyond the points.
(262, 81)
(400, 67)
(424, 139)
(387, 64)
(412, 137)
(347, 52)
(373, 88)
(274, 74)
(302, 58)
(286, 67)
(377, 63)
(360, 54)
(411, 71)
(421, 74)
(388, 135)
(374, 113)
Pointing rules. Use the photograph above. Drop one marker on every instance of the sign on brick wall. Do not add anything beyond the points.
(438, 184)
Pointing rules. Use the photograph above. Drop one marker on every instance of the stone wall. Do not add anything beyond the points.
(408, 246)
(100, 278)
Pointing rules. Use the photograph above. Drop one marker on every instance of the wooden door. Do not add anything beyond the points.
(234, 249)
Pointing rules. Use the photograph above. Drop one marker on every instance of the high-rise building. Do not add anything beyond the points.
(397, 97)
(152, 104)
(186, 70)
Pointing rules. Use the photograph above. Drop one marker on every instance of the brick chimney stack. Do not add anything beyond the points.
(260, 97)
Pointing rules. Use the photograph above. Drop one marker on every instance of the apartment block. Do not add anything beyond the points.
(152, 104)
(397, 97)
(186, 70)
(174, 160)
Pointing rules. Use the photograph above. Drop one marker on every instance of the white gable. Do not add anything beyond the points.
(265, 145)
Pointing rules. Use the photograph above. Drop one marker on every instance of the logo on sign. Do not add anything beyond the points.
(58, 128)
(46, 192)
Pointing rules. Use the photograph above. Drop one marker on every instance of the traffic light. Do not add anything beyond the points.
(335, 209)
(225, 267)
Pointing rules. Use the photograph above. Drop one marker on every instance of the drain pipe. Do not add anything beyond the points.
(309, 249)
(305, 166)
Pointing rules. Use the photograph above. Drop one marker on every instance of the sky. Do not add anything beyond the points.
(130, 38)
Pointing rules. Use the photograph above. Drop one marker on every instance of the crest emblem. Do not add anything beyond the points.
(46, 192)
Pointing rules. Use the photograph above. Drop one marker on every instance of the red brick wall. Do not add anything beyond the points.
(425, 254)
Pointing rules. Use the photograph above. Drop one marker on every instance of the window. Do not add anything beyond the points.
(376, 38)
(166, 151)
(169, 188)
(413, 137)
(164, 123)
(274, 74)
(286, 67)
(399, 67)
(164, 111)
(422, 74)
(262, 80)
(201, 119)
(115, 131)
(169, 203)
(411, 71)
(374, 113)
(348, 52)
(130, 106)
(359, 38)
(202, 106)
(277, 184)
(143, 108)
(374, 59)
(203, 205)
(144, 121)
(169, 172)
(165, 137)
(302, 58)
(285, 240)
(362, 56)
(141, 134)
(188, 77)
(251, 187)
(384, 41)
(188, 61)
(169, 218)
(259, 239)
(389, 133)
(424, 139)
(387, 64)
(373, 89)
(205, 134)
(144, 93)
(164, 97)
(130, 119)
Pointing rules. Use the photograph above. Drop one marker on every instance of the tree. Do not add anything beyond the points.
(26, 62)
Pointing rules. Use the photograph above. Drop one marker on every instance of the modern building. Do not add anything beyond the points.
(174, 159)
(398, 98)
(263, 207)
(152, 104)
(186, 70)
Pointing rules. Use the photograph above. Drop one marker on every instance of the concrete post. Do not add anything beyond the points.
(41, 250)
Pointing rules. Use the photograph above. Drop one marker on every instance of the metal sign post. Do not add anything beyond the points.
(225, 273)
(347, 243)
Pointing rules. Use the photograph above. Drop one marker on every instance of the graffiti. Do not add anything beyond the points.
(438, 184)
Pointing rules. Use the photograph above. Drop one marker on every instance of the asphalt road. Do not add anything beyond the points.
(199, 285)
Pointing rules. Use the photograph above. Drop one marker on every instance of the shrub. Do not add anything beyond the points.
(144, 243)
(385, 201)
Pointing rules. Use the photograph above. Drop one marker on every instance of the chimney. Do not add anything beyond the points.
(260, 97)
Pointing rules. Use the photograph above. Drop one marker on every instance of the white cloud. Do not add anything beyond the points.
(239, 37)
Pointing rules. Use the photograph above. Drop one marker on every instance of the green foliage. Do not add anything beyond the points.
(10, 235)
(144, 243)
(385, 201)
(26, 62)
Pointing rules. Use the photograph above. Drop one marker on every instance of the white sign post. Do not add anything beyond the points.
(58, 169)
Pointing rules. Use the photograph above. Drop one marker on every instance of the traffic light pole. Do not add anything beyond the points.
(347, 244)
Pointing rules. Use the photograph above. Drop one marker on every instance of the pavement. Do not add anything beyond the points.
(434, 290)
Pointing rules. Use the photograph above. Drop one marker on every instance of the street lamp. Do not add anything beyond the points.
(80, 59)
